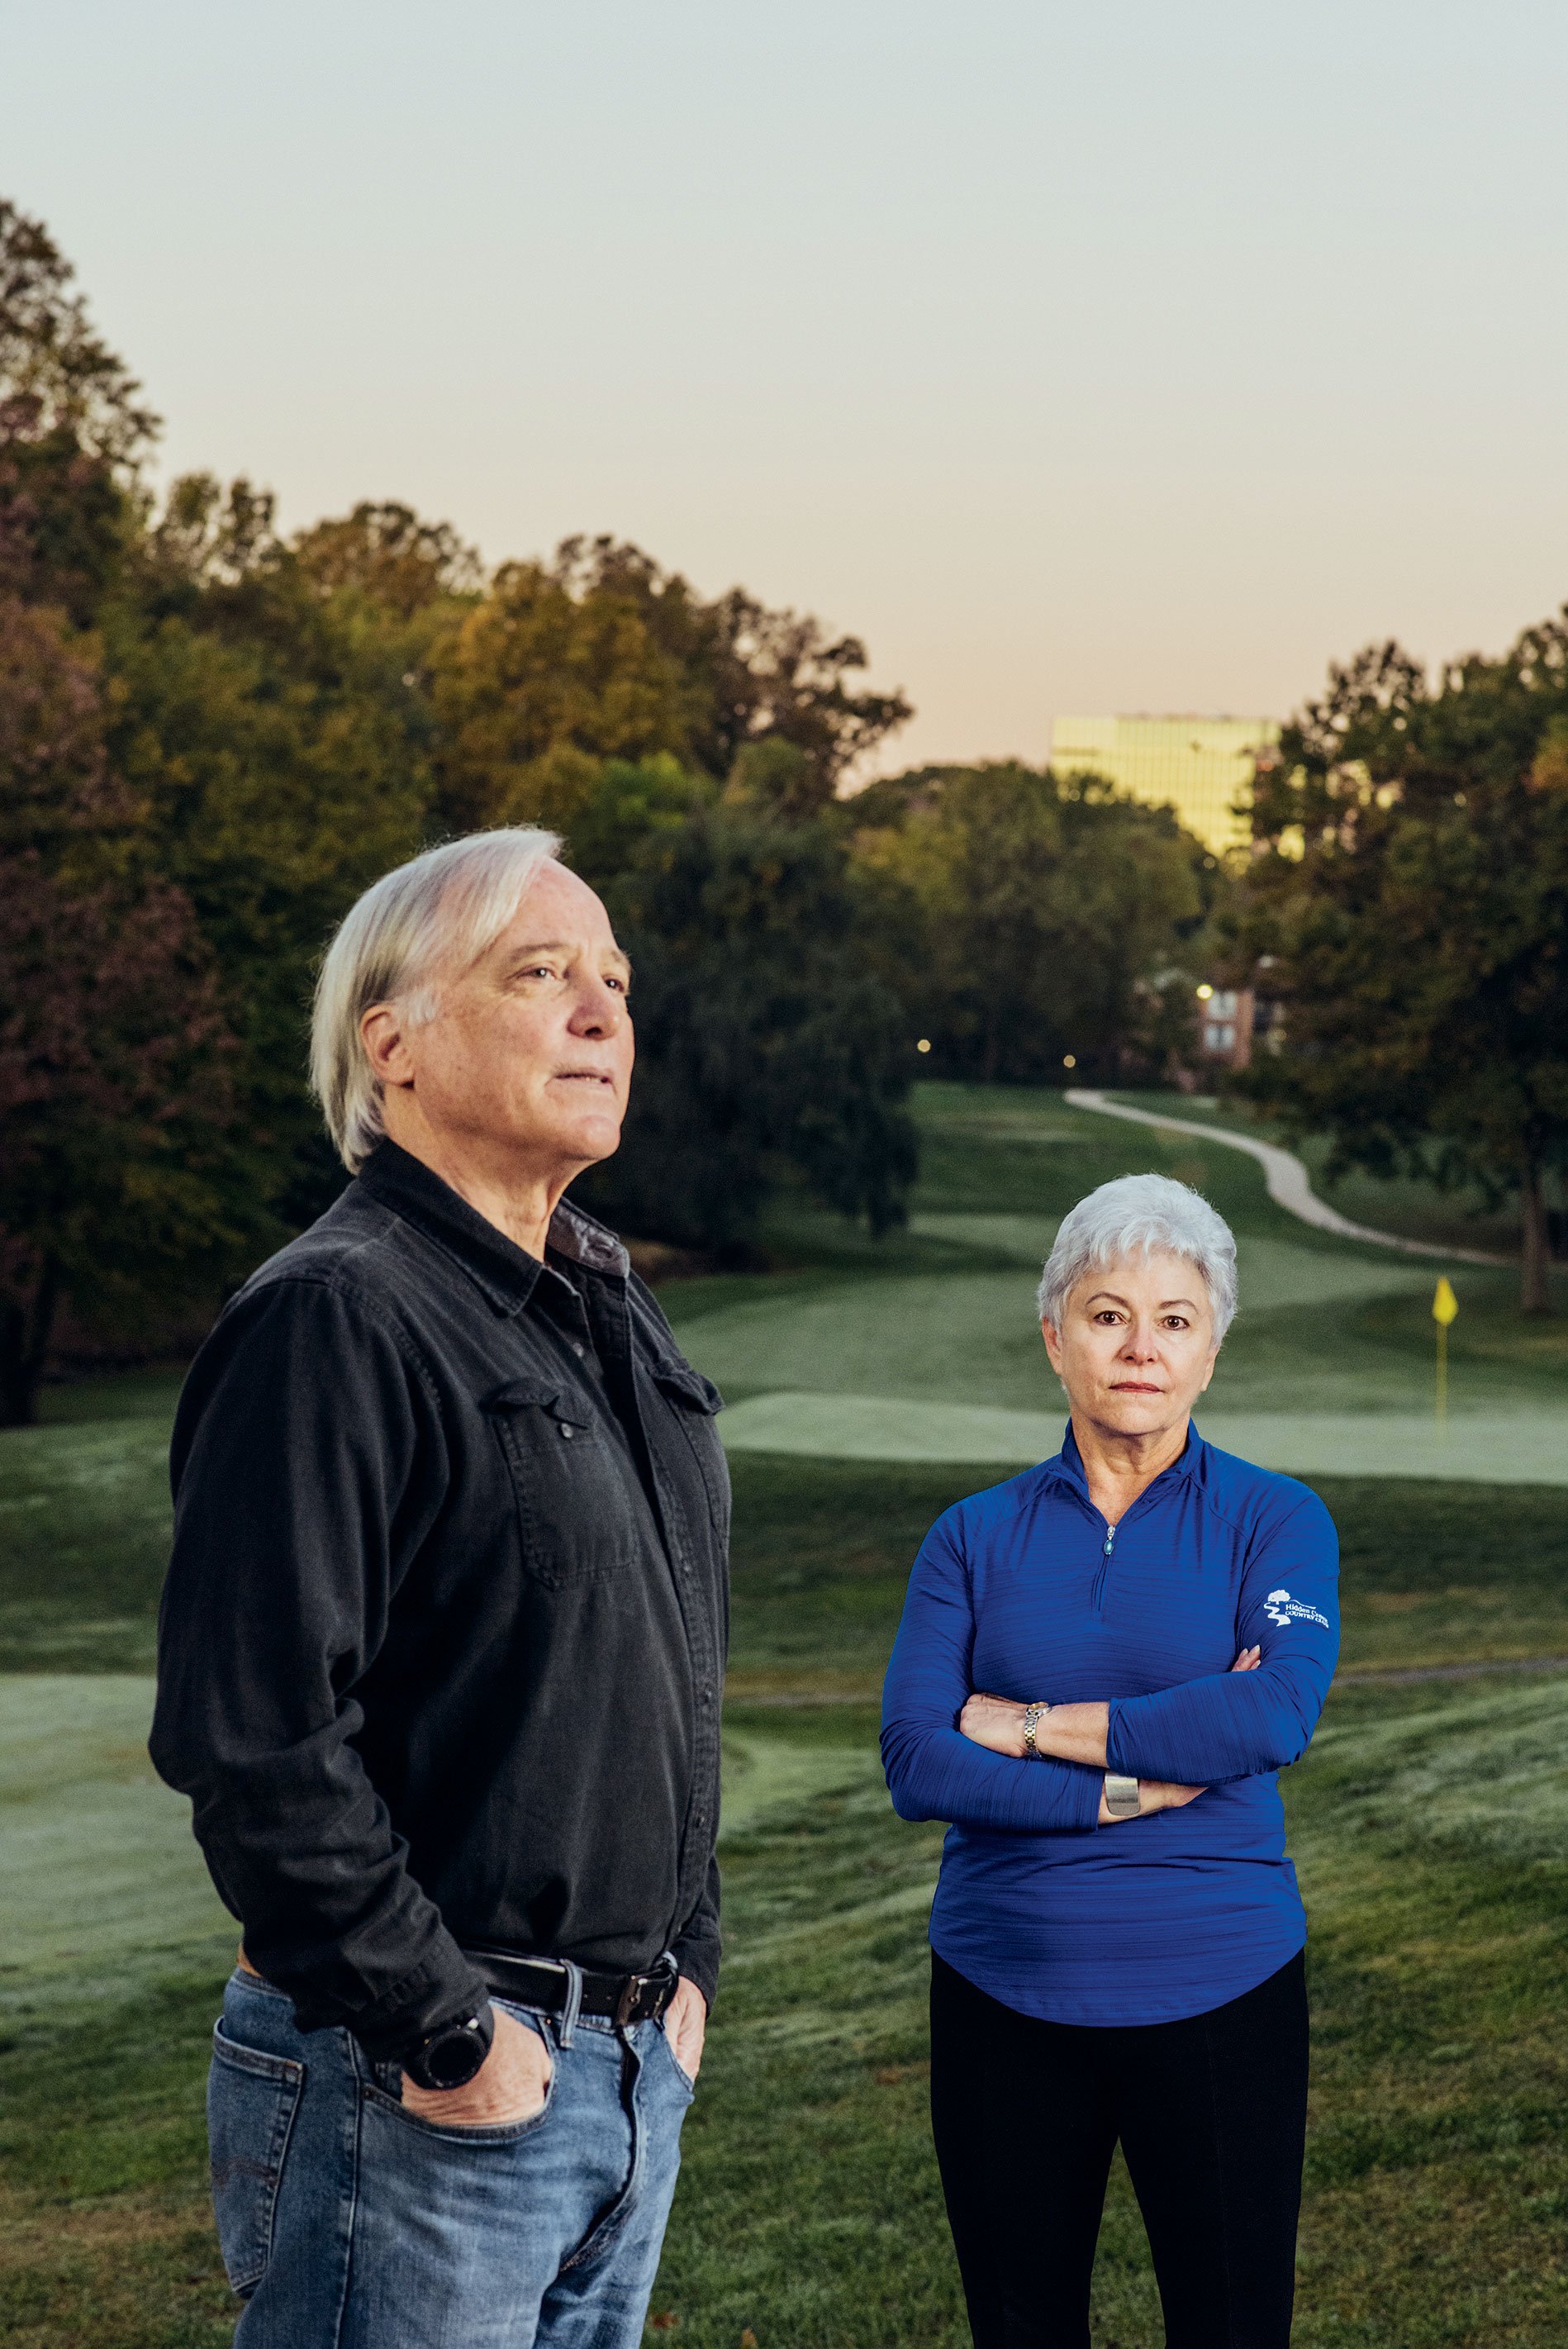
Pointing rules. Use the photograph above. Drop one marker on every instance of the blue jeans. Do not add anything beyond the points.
(347, 2222)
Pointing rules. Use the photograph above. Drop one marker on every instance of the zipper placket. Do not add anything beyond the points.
(1096, 1597)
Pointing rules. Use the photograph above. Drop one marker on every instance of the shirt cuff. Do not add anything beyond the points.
(441, 1990)
(696, 1955)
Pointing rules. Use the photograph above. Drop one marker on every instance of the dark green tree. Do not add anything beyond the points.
(765, 1046)
(1408, 904)
(279, 746)
(1037, 918)
(73, 428)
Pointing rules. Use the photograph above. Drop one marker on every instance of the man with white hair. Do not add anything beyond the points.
(440, 1661)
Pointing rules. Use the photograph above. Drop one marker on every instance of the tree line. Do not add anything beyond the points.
(213, 736)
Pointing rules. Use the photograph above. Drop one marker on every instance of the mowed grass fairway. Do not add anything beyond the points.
(1429, 1823)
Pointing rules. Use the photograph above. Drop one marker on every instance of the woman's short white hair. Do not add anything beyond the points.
(444, 907)
(1133, 1216)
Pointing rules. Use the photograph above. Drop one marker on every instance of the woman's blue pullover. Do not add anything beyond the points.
(1024, 1591)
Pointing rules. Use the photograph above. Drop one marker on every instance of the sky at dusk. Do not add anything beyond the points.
(1145, 355)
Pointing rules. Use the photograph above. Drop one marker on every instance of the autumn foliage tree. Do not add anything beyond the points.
(115, 1082)
(114, 1060)
(115, 1069)
(600, 654)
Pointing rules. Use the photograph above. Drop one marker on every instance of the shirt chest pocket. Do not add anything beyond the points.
(579, 1502)
(692, 1401)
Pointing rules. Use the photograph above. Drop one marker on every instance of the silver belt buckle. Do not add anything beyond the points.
(662, 1980)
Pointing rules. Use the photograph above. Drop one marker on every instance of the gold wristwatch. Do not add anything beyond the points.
(1033, 1716)
(1122, 1799)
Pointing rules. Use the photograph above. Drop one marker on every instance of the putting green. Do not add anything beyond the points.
(971, 1336)
(1271, 1272)
(1524, 1448)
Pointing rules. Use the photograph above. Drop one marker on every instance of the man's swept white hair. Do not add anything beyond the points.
(444, 907)
(1133, 1216)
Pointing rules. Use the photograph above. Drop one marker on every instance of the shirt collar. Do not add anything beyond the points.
(505, 1273)
(1067, 1466)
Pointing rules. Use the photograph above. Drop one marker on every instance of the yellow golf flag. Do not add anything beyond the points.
(1445, 1309)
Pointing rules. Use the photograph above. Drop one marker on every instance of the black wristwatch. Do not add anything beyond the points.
(450, 2056)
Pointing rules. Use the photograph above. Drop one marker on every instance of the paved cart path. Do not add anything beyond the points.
(1289, 1183)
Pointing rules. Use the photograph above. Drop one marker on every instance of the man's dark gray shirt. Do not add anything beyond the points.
(441, 1648)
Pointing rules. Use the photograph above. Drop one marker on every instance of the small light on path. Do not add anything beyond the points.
(1069, 1060)
(1204, 992)
(923, 1045)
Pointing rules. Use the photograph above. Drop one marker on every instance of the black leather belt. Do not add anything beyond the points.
(546, 1982)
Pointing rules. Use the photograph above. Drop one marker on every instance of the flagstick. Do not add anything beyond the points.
(1445, 1309)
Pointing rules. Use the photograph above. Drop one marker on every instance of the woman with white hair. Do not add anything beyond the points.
(1102, 1666)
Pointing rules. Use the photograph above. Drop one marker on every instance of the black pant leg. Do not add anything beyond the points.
(1212, 2115)
(1024, 2133)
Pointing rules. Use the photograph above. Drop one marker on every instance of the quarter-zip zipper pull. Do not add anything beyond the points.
(1098, 1597)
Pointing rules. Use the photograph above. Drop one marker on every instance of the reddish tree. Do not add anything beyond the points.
(114, 1091)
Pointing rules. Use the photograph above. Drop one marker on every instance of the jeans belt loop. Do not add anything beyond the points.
(566, 2022)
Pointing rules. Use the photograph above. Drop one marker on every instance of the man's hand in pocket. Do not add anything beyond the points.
(510, 2085)
(685, 2024)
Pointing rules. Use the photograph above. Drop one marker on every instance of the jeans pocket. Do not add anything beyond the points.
(386, 2096)
(252, 2098)
(676, 2067)
(462, 2136)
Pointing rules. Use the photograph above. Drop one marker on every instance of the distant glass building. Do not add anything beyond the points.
(1200, 766)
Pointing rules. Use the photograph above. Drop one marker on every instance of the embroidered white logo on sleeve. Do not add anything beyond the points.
(1281, 1609)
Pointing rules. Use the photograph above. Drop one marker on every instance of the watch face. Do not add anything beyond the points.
(450, 2060)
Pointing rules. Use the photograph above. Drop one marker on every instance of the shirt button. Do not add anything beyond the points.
(567, 1434)
(577, 1348)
